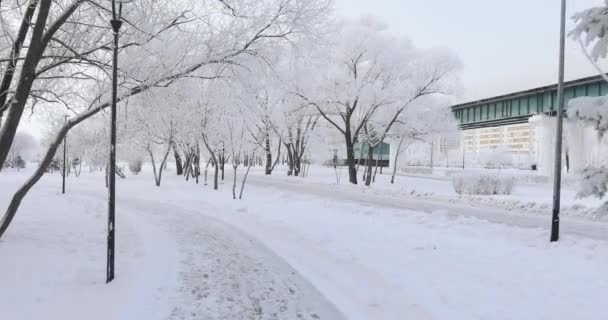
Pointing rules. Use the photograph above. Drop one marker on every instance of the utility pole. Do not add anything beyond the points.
(65, 143)
(558, 140)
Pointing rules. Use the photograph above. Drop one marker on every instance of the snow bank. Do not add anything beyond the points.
(482, 183)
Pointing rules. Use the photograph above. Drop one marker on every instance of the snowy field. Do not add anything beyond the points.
(296, 248)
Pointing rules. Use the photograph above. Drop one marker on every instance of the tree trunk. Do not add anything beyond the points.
(153, 167)
(187, 164)
(178, 162)
(368, 165)
(297, 164)
(78, 170)
(234, 183)
(163, 165)
(381, 149)
(207, 170)
(397, 153)
(25, 82)
(378, 164)
(268, 155)
(216, 177)
(214, 162)
(289, 160)
(223, 161)
(350, 159)
(222, 166)
(158, 176)
(360, 158)
(197, 163)
(7, 78)
(244, 180)
(276, 161)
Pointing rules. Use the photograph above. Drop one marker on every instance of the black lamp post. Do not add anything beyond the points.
(116, 23)
(558, 140)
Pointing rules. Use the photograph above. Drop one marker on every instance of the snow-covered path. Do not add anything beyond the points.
(373, 257)
(569, 225)
(225, 274)
(376, 262)
(172, 263)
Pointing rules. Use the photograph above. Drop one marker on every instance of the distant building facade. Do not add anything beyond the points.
(522, 124)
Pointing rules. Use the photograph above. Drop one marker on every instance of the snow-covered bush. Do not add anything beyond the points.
(135, 166)
(483, 183)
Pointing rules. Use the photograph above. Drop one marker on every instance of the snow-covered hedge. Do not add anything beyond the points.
(483, 183)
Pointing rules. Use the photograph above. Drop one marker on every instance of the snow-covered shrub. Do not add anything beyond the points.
(483, 183)
(135, 166)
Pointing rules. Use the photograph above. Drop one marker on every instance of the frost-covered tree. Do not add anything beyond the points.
(162, 42)
(261, 95)
(365, 74)
(153, 125)
(423, 122)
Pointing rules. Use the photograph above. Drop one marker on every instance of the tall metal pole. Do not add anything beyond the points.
(558, 140)
(116, 24)
(65, 142)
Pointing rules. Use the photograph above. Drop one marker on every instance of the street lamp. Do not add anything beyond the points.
(116, 23)
(558, 141)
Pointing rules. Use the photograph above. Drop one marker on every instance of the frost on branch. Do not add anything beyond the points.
(591, 26)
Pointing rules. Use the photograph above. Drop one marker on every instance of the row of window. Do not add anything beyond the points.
(527, 105)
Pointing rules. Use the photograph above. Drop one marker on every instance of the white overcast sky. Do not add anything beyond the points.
(505, 46)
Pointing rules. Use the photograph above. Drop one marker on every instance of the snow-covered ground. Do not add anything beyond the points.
(535, 198)
(172, 262)
(294, 248)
